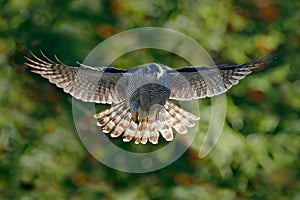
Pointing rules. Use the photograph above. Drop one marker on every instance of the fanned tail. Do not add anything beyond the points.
(117, 120)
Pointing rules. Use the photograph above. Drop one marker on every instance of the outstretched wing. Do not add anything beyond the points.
(90, 84)
(200, 82)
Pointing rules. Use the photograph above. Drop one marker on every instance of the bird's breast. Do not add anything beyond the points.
(151, 94)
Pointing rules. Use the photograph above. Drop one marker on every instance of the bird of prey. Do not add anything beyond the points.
(141, 97)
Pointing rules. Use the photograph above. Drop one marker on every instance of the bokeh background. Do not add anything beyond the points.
(257, 156)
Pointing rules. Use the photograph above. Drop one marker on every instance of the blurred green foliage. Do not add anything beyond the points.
(257, 156)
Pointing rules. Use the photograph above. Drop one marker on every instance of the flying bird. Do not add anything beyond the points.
(141, 97)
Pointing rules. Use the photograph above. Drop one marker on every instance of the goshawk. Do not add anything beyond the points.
(140, 97)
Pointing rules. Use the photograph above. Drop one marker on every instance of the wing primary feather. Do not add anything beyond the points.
(49, 60)
(60, 62)
(38, 59)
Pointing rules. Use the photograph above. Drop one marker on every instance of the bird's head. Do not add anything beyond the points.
(154, 70)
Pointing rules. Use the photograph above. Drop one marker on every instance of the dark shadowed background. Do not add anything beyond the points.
(257, 156)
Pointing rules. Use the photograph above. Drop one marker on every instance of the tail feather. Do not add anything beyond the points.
(114, 121)
(108, 111)
(127, 138)
(110, 116)
(149, 133)
(145, 136)
(153, 132)
(142, 134)
(182, 111)
(181, 120)
(121, 126)
(130, 131)
(166, 132)
(174, 119)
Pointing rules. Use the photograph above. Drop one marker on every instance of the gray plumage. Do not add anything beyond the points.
(141, 96)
